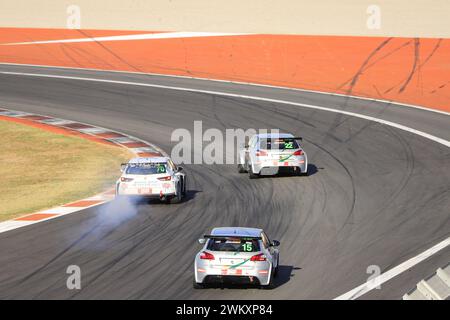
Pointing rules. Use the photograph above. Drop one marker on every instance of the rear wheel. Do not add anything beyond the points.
(275, 271)
(251, 174)
(179, 195)
(197, 285)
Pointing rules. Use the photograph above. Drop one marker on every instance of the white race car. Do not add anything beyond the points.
(270, 154)
(153, 177)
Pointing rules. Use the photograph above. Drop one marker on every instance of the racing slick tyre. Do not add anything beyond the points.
(178, 197)
(241, 169)
(183, 193)
(251, 174)
(275, 271)
(197, 285)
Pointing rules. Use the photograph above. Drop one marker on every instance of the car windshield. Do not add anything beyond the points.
(278, 143)
(146, 168)
(233, 244)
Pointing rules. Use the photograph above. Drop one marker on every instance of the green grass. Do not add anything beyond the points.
(41, 169)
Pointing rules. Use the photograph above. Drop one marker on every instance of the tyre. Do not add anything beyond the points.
(183, 193)
(197, 285)
(241, 169)
(178, 197)
(251, 174)
(275, 271)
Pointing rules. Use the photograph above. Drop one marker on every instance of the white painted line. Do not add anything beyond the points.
(60, 210)
(121, 140)
(395, 103)
(92, 131)
(56, 122)
(12, 224)
(141, 150)
(388, 275)
(142, 36)
(218, 93)
(15, 114)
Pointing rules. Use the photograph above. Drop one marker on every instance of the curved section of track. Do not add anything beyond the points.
(376, 195)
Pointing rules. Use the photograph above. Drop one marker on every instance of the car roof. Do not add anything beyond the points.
(236, 232)
(148, 160)
(274, 135)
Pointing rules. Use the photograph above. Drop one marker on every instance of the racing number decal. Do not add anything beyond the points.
(161, 169)
(288, 145)
(247, 247)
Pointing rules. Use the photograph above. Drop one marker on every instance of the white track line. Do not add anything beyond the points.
(142, 36)
(362, 289)
(395, 103)
(388, 275)
(309, 106)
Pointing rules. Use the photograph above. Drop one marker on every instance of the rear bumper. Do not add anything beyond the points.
(258, 275)
(273, 167)
(154, 192)
(146, 195)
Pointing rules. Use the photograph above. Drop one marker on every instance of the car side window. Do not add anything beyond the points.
(172, 165)
(265, 240)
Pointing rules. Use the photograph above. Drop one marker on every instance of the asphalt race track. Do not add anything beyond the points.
(376, 195)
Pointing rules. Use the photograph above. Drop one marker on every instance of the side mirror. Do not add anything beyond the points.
(202, 240)
(275, 243)
(122, 167)
(179, 168)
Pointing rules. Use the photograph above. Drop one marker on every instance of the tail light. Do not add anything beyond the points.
(298, 153)
(165, 178)
(206, 256)
(258, 257)
(126, 179)
(261, 153)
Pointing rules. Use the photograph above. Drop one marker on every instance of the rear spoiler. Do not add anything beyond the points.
(298, 138)
(210, 236)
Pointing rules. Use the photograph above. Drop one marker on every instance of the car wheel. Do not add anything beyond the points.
(197, 285)
(275, 271)
(177, 198)
(183, 193)
(251, 174)
(241, 169)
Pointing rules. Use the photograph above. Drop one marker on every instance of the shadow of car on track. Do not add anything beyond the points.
(283, 276)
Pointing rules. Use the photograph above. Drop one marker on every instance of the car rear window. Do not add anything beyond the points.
(278, 144)
(233, 245)
(144, 169)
